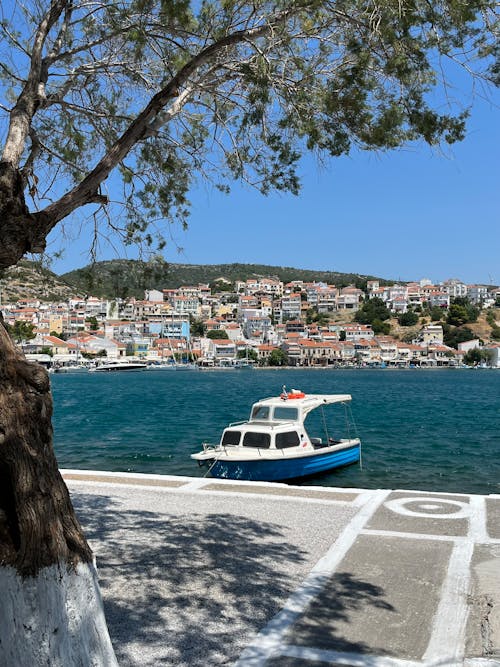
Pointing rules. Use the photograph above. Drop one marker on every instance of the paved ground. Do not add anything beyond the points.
(209, 572)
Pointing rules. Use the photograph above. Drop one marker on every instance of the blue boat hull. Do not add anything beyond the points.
(281, 469)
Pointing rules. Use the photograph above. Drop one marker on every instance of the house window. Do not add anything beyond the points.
(260, 440)
(290, 439)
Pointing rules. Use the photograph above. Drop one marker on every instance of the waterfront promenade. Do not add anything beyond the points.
(196, 571)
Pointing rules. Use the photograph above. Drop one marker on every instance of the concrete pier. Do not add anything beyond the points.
(196, 571)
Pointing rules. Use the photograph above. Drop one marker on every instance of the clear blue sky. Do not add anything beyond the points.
(406, 215)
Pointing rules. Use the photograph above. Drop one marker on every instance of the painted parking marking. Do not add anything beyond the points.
(428, 508)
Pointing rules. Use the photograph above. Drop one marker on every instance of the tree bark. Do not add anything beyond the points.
(20, 230)
(37, 524)
(46, 565)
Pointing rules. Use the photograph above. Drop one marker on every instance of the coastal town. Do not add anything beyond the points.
(260, 322)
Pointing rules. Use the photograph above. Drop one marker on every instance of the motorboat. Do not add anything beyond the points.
(119, 366)
(274, 444)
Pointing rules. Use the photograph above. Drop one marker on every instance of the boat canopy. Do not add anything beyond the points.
(293, 406)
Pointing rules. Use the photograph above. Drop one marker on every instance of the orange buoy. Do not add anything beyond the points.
(293, 394)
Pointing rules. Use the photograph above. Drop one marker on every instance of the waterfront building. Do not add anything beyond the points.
(220, 351)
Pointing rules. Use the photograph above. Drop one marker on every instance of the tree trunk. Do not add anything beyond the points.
(48, 586)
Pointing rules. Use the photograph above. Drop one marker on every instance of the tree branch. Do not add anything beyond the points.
(28, 101)
(139, 128)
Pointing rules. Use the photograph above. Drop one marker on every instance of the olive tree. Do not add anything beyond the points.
(110, 110)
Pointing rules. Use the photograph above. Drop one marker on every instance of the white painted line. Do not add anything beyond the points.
(270, 640)
(477, 522)
(447, 640)
(398, 505)
(194, 484)
(413, 536)
(350, 659)
(106, 474)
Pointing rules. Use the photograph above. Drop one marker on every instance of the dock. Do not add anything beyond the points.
(198, 571)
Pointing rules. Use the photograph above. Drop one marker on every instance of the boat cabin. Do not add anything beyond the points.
(274, 443)
(278, 423)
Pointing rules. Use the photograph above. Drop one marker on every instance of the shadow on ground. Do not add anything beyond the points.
(193, 590)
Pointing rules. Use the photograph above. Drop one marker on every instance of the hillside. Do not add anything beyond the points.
(30, 280)
(125, 278)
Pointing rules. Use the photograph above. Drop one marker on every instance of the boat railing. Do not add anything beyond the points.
(208, 446)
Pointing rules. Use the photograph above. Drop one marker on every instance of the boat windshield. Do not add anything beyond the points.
(260, 412)
(231, 438)
(286, 414)
(259, 440)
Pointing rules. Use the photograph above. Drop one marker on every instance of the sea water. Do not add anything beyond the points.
(436, 430)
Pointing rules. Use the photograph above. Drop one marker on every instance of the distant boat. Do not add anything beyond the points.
(71, 368)
(119, 366)
(172, 366)
(274, 445)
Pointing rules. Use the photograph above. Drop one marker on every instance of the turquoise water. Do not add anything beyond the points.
(420, 429)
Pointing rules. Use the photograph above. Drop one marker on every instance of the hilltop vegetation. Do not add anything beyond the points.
(128, 278)
(125, 278)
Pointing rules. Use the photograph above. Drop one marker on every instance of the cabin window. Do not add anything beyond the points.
(260, 412)
(231, 438)
(260, 440)
(286, 414)
(284, 440)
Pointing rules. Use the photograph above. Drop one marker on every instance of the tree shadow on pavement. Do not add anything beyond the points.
(189, 589)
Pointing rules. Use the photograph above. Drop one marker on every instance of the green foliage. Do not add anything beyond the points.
(408, 319)
(371, 310)
(249, 353)
(197, 328)
(217, 334)
(97, 355)
(93, 323)
(381, 327)
(21, 331)
(495, 333)
(477, 356)
(491, 317)
(452, 336)
(277, 358)
(462, 311)
(312, 316)
(436, 313)
(261, 83)
(221, 286)
(124, 278)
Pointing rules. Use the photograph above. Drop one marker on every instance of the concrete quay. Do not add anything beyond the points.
(197, 571)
